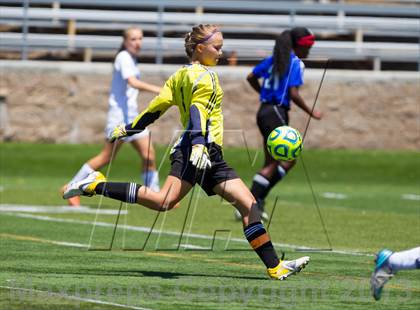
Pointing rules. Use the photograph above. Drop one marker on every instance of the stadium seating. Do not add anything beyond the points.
(347, 31)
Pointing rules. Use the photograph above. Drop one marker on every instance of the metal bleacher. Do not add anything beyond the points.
(377, 33)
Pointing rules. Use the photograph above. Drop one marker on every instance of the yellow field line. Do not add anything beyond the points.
(25, 238)
(40, 240)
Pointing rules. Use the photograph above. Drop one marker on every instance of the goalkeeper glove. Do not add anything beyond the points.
(200, 158)
(118, 133)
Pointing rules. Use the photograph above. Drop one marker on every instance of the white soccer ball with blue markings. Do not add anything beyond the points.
(284, 143)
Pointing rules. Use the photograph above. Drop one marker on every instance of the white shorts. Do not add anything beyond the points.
(117, 116)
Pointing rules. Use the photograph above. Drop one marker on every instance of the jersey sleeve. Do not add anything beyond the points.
(202, 103)
(262, 68)
(126, 65)
(296, 73)
(157, 107)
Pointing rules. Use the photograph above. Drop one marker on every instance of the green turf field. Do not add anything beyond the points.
(195, 257)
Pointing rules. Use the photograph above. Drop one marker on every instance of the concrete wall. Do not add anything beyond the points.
(67, 103)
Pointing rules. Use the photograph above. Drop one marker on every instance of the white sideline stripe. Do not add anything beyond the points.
(140, 228)
(55, 209)
(171, 233)
(69, 244)
(410, 197)
(191, 246)
(26, 238)
(95, 301)
(330, 195)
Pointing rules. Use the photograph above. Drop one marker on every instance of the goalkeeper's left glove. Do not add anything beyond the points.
(118, 133)
(200, 157)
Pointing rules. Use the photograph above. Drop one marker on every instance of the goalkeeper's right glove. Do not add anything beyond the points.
(200, 157)
(118, 133)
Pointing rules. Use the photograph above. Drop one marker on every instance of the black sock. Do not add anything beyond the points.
(278, 174)
(260, 241)
(126, 192)
(260, 187)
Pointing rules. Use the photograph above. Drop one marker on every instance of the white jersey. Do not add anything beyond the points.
(123, 98)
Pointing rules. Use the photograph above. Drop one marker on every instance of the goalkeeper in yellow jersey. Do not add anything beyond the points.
(197, 155)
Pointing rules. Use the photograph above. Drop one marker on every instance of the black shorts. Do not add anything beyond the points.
(219, 172)
(271, 116)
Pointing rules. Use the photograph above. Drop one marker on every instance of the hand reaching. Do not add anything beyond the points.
(317, 115)
(118, 133)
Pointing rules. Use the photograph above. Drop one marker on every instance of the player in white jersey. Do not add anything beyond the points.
(123, 109)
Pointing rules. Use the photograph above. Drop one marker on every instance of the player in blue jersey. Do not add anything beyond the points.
(282, 76)
(197, 156)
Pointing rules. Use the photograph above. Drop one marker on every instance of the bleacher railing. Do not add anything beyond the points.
(338, 18)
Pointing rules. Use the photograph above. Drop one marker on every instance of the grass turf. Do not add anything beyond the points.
(166, 276)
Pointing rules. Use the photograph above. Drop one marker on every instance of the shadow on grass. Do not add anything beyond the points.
(164, 274)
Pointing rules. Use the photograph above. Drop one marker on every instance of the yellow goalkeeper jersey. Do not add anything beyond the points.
(196, 91)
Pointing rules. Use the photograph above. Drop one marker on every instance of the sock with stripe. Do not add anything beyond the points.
(84, 171)
(260, 241)
(126, 192)
(260, 188)
(277, 176)
(151, 180)
(261, 185)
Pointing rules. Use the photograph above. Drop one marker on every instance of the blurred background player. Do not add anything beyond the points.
(197, 156)
(388, 263)
(123, 110)
(282, 75)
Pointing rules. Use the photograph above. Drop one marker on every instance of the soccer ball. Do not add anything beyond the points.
(284, 143)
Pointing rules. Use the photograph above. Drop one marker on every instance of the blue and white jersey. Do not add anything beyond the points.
(275, 89)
